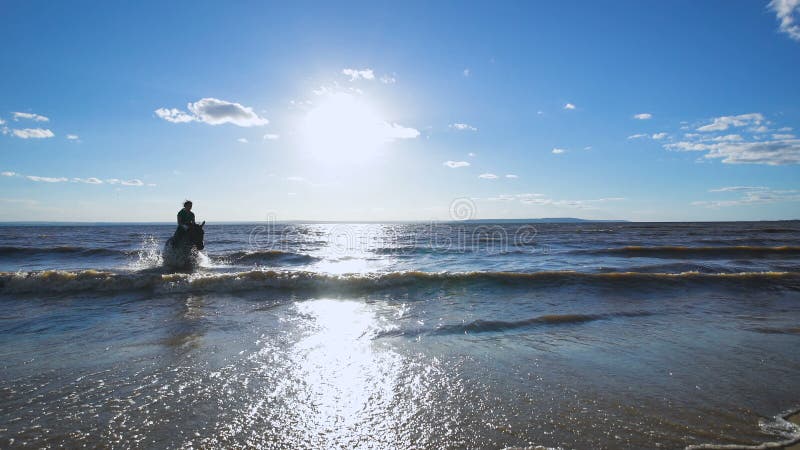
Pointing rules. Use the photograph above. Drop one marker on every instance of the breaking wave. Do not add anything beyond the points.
(267, 257)
(61, 281)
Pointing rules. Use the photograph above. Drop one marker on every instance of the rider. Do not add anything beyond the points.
(185, 218)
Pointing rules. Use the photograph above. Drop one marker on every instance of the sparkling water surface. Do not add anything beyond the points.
(586, 335)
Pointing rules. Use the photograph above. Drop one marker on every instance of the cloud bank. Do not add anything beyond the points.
(749, 146)
(750, 195)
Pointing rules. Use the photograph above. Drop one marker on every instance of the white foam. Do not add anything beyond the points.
(778, 426)
(148, 256)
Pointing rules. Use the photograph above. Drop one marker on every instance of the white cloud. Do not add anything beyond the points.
(463, 127)
(771, 152)
(2, 122)
(133, 182)
(739, 189)
(569, 106)
(322, 90)
(388, 79)
(588, 147)
(471, 154)
(725, 138)
(47, 179)
(456, 164)
(786, 11)
(487, 176)
(744, 148)
(30, 116)
(724, 122)
(465, 72)
(174, 115)
(90, 180)
(271, 137)
(33, 133)
(659, 136)
(558, 151)
(214, 112)
(637, 136)
(355, 74)
(73, 137)
(643, 116)
(511, 175)
(242, 140)
(750, 195)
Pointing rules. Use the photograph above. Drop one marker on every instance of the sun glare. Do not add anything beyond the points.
(344, 128)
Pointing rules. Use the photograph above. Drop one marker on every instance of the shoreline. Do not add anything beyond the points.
(795, 419)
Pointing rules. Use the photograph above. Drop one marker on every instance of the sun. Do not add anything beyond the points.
(344, 128)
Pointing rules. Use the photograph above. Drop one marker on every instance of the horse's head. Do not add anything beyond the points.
(196, 234)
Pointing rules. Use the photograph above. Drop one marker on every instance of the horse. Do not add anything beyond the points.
(180, 250)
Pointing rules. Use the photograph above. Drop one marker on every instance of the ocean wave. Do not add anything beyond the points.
(61, 281)
(778, 230)
(768, 330)
(493, 326)
(782, 426)
(679, 267)
(737, 251)
(10, 251)
(267, 257)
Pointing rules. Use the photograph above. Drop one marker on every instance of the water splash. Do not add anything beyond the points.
(148, 256)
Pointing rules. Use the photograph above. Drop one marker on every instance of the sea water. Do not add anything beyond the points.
(440, 335)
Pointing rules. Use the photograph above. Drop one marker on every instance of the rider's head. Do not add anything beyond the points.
(187, 205)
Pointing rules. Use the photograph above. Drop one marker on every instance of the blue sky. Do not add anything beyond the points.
(394, 111)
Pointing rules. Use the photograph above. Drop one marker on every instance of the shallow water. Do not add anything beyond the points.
(593, 335)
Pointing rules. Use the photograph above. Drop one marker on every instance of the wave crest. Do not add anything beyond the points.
(737, 251)
(61, 281)
(268, 256)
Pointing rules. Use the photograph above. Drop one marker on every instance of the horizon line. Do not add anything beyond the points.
(570, 220)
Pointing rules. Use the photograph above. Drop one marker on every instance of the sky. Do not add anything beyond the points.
(647, 111)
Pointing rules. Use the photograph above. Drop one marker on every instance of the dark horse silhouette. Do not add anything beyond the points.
(179, 251)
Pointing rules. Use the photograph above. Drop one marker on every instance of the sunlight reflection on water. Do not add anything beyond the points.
(346, 379)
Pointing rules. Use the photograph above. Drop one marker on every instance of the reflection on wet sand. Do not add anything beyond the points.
(345, 381)
(185, 331)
